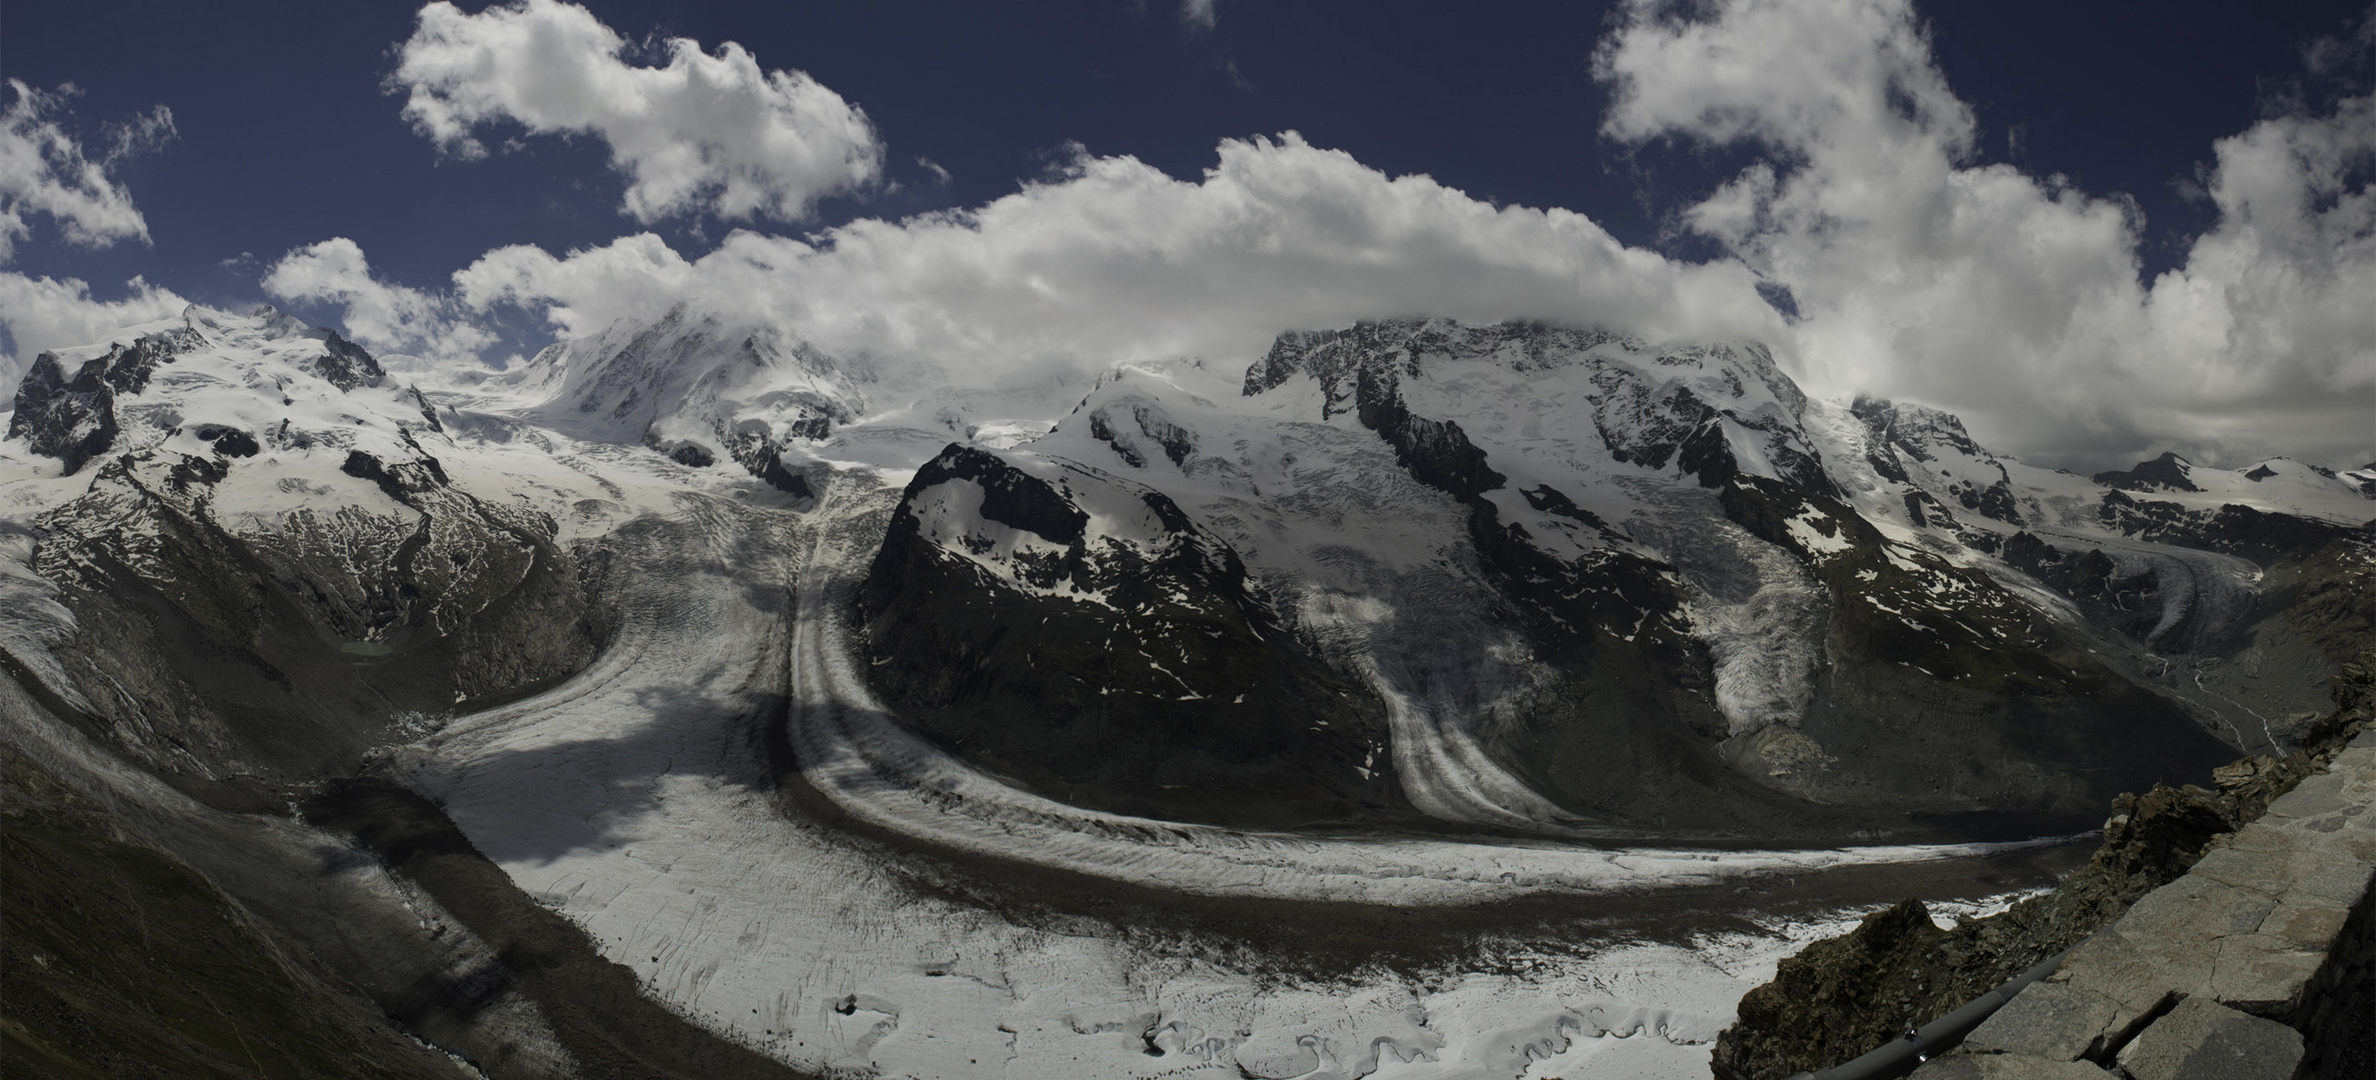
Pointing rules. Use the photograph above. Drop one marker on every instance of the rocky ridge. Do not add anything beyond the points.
(1078, 633)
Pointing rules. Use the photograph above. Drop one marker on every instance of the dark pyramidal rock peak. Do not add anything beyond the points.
(1409, 615)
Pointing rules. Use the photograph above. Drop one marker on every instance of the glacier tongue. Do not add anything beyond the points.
(1761, 613)
(1445, 773)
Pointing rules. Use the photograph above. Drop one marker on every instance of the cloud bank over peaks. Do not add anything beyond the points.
(378, 314)
(1110, 260)
(2015, 300)
(707, 133)
(1909, 267)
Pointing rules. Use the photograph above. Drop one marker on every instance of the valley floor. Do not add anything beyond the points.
(882, 907)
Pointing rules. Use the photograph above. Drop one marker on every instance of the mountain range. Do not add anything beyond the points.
(1409, 612)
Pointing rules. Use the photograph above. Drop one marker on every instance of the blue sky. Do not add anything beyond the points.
(2095, 128)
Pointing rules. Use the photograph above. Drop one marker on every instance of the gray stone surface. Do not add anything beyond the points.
(2006, 1067)
(2135, 974)
(2249, 926)
(2268, 872)
(2306, 922)
(2342, 883)
(2322, 794)
(2204, 1040)
(2262, 974)
(2193, 911)
(2055, 1021)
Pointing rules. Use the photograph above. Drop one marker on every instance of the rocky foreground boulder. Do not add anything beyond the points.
(1897, 970)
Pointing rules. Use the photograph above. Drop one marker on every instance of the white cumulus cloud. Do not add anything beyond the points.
(45, 170)
(704, 133)
(2014, 299)
(380, 315)
(1915, 271)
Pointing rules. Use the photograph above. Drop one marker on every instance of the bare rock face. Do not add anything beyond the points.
(1081, 636)
(1872, 981)
(68, 418)
(73, 417)
(346, 365)
(209, 649)
(2167, 472)
(2235, 529)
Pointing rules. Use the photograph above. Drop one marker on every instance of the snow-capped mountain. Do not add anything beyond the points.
(693, 389)
(246, 505)
(796, 682)
(1643, 586)
(1075, 629)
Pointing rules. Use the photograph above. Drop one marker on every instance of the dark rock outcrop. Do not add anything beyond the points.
(760, 455)
(1644, 421)
(1435, 452)
(1913, 430)
(1145, 424)
(2125, 599)
(402, 480)
(1145, 676)
(347, 365)
(2168, 472)
(1995, 501)
(2259, 535)
(231, 442)
(1939, 687)
(2329, 600)
(428, 411)
(71, 419)
(209, 652)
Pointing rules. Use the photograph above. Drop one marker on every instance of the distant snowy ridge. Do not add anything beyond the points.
(1666, 524)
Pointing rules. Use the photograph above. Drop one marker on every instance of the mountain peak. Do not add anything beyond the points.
(2169, 471)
